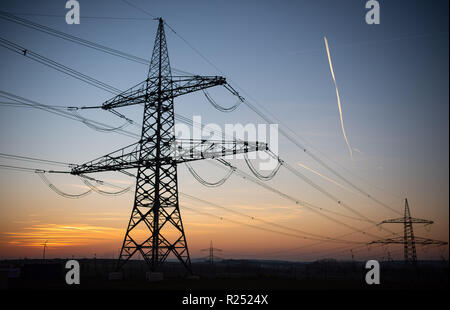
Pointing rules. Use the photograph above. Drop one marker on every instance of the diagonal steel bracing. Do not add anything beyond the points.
(155, 229)
(408, 240)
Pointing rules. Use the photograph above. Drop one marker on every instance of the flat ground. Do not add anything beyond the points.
(231, 275)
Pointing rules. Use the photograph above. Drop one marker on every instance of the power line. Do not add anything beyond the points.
(321, 162)
(61, 112)
(60, 192)
(66, 70)
(122, 191)
(304, 178)
(139, 8)
(259, 227)
(32, 159)
(308, 181)
(74, 39)
(118, 18)
(293, 140)
(19, 168)
(57, 66)
(48, 30)
(315, 209)
(253, 218)
(297, 201)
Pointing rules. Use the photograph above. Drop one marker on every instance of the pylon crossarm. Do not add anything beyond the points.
(401, 240)
(183, 150)
(402, 220)
(182, 85)
(192, 149)
(132, 96)
(148, 91)
(124, 158)
(427, 241)
(397, 240)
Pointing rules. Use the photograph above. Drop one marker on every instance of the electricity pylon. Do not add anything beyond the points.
(409, 241)
(45, 247)
(155, 229)
(211, 255)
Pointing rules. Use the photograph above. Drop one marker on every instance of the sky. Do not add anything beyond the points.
(393, 86)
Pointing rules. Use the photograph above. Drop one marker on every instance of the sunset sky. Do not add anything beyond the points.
(393, 85)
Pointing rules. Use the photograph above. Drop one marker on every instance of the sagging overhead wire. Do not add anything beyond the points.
(313, 208)
(325, 238)
(96, 127)
(324, 191)
(341, 236)
(281, 162)
(71, 72)
(264, 228)
(219, 107)
(41, 173)
(318, 207)
(17, 168)
(320, 189)
(253, 218)
(259, 175)
(24, 22)
(61, 112)
(206, 183)
(139, 8)
(100, 191)
(360, 216)
(60, 109)
(321, 162)
(32, 159)
(58, 191)
(319, 242)
(57, 66)
(322, 237)
(318, 210)
(287, 135)
(59, 34)
(87, 17)
(316, 237)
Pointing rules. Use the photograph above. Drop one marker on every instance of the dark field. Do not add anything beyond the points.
(226, 275)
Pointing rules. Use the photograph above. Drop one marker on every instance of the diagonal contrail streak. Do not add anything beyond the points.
(326, 178)
(338, 98)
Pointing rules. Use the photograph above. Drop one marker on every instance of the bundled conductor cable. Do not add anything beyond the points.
(219, 107)
(102, 192)
(58, 191)
(257, 174)
(206, 183)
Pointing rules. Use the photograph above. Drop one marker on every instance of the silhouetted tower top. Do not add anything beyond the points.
(211, 250)
(408, 240)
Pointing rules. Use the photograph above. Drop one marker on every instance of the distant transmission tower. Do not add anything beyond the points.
(389, 257)
(45, 247)
(155, 229)
(211, 255)
(409, 241)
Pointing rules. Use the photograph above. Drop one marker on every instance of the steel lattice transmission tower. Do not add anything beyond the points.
(211, 255)
(409, 241)
(155, 229)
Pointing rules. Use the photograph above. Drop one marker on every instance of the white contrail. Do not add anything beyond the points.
(338, 99)
(326, 178)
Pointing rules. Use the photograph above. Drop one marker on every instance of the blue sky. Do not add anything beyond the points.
(392, 78)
